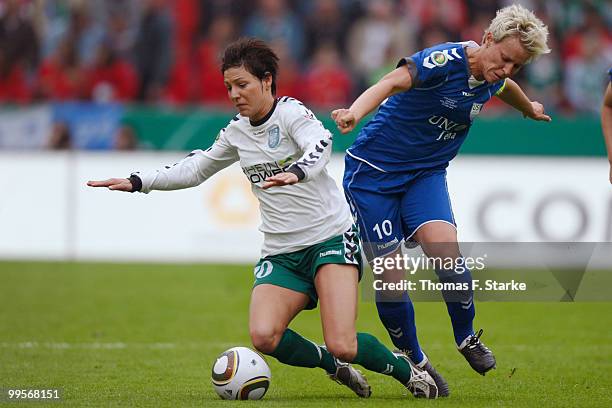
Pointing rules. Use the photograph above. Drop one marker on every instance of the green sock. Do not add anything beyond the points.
(295, 350)
(374, 356)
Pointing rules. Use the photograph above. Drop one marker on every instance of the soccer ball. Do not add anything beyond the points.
(240, 373)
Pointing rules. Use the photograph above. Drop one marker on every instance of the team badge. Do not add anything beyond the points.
(439, 58)
(273, 137)
(476, 108)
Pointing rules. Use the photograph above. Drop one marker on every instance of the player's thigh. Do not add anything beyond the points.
(426, 201)
(379, 221)
(337, 286)
(271, 310)
(375, 206)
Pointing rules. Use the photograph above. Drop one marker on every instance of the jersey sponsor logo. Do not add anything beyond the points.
(468, 94)
(476, 108)
(258, 173)
(440, 58)
(329, 253)
(273, 137)
(263, 270)
(449, 128)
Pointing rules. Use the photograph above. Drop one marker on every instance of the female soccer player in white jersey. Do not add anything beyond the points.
(395, 173)
(311, 250)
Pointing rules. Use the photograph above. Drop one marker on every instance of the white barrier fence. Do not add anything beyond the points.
(47, 211)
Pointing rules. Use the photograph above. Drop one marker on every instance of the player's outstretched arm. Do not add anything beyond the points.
(396, 81)
(606, 124)
(513, 95)
(119, 184)
(191, 171)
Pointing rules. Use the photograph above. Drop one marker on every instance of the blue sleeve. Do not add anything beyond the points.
(428, 67)
(610, 74)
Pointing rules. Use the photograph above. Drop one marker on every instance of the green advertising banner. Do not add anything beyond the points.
(167, 129)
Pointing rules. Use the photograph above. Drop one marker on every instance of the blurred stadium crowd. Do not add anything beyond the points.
(167, 52)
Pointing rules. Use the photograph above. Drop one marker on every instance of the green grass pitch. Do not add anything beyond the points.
(147, 335)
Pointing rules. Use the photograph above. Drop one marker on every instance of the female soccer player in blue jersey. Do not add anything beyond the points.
(395, 174)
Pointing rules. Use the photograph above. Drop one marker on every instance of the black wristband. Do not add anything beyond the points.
(295, 169)
(136, 183)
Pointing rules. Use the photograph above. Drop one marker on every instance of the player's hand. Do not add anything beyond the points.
(537, 112)
(119, 184)
(345, 120)
(280, 179)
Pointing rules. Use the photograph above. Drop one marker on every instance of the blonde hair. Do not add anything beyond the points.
(517, 21)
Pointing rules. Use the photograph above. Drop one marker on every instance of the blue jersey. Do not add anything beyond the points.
(424, 127)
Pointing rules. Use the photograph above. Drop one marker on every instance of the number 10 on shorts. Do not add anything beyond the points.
(384, 229)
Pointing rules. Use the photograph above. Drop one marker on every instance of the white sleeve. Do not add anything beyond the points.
(312, 138)
(193, 170)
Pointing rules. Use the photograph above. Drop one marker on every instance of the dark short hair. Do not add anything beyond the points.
(256, 57)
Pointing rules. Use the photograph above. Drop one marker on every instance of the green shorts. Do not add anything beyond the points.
(297, 270)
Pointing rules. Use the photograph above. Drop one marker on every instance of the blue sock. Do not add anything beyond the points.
(398, 318)
(459, 303)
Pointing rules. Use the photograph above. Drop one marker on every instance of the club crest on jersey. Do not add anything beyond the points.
(273, 137)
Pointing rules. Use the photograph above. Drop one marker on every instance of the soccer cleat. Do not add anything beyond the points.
(443, 390)
(421, 383)
(352, 378)
(441, 383)
(477, 354)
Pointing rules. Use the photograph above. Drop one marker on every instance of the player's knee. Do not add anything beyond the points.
(343, 348)
(265, 339)
(441, 250)
(438, 240)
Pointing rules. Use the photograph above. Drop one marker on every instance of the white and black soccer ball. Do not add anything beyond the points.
(240, 373)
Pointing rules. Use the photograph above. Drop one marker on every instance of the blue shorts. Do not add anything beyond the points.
(390, 207)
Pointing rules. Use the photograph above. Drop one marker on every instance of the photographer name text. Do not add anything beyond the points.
(430, 285)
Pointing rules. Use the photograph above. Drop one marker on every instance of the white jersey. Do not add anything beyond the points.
(293, 216)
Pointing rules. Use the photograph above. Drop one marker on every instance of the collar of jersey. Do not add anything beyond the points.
(265, 118)
(472, 81)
